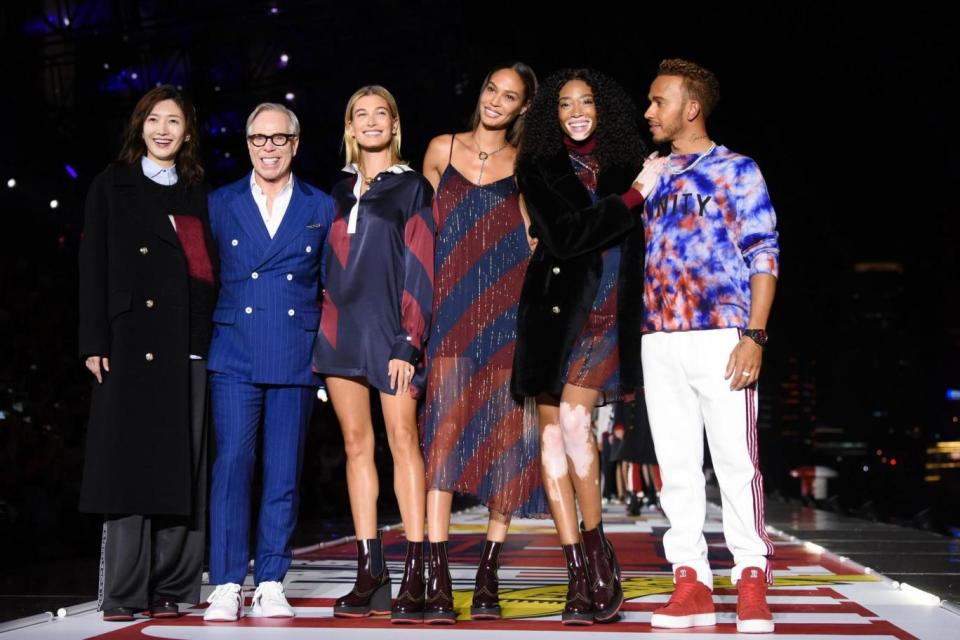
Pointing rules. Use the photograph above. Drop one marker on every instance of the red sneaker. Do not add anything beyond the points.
(691, 604)
(753, 614)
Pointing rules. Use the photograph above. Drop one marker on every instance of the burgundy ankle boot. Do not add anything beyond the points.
(408, 607)
(438, 604)
(486, 598)
(371, 591)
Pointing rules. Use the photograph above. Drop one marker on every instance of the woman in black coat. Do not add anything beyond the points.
(577, 172)
(147, 290)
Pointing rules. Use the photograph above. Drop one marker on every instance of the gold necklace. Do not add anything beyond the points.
(483, 155)
(367, 181)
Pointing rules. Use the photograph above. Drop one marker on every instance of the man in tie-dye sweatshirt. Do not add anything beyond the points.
(712, 262)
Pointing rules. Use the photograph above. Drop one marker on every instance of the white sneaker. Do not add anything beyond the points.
(226, 604)
(269, 601)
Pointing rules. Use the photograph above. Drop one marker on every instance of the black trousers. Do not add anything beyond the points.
(146, 557)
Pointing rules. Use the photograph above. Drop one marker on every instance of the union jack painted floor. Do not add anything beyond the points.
(815, 595)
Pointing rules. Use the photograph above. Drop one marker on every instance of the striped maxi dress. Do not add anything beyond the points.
(477, 438)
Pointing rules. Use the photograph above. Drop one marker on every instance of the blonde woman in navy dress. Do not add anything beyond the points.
(376, 315)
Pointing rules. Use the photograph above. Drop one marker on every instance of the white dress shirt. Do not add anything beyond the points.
(167, 176)
(271, 219)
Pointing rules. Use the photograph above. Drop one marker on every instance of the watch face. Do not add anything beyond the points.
(757, 335)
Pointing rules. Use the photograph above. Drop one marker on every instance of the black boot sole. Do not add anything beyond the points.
(357, 612)
(577, 619)
(120, 614)
(406, 618)
(440, 618)
(485, 613)
(379, 605)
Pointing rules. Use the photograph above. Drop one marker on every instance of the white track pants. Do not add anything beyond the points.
(685, 392)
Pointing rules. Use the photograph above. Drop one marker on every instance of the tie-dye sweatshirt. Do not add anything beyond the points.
(709, 227)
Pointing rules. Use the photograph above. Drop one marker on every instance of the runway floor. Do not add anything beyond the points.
(835, 577)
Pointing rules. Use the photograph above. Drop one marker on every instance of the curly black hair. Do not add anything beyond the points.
(618, 132)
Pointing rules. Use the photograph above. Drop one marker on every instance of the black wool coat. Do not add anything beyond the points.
(565, 270)
(136, 308)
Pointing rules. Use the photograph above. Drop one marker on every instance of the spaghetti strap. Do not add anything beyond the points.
(453, 141)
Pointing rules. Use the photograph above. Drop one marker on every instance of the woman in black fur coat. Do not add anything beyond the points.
(577, 171)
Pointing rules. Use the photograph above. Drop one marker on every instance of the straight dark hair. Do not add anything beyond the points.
(189, 168)
(529, 78)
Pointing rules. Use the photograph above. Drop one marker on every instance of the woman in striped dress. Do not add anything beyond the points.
(478, 438)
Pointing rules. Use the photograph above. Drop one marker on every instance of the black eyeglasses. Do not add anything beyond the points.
(278, 139)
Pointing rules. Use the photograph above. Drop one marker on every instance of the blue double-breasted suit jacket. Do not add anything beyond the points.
(267, 314)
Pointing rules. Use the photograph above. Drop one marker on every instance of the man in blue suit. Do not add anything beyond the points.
(270, 230)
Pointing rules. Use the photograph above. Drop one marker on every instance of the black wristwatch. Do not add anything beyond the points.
(757, 335)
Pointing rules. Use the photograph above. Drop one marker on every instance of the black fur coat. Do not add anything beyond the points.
(565, 271)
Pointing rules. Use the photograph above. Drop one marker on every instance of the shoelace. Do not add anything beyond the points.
(751, 594)
(683, 591)
(269, 590)
(223, 590)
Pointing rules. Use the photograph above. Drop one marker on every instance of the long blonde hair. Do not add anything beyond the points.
(351, 148)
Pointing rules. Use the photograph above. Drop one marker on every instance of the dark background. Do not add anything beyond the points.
(850, 113)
